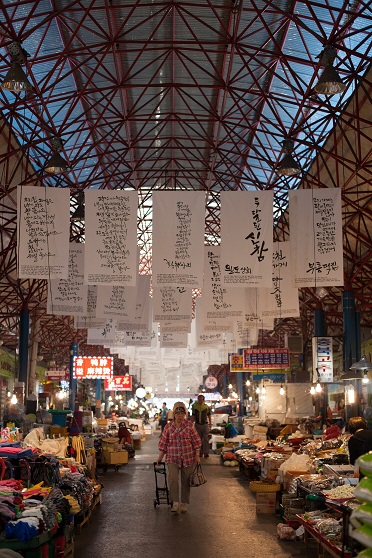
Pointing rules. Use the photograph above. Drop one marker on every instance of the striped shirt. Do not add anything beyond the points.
(180, 444)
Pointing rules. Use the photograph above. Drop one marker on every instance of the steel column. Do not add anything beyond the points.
(74, 351)
(24, 335)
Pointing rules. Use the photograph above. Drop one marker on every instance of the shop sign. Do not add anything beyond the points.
(211, 382)
(236, 362)
(119, 383)
(265, 358)
(57, 374)
(93, 367)
(323, 358)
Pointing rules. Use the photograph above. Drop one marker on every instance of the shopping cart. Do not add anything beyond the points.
(162, 492)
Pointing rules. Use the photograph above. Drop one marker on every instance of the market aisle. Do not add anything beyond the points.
(221, 519)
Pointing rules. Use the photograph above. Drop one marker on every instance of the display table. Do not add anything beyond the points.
(216, 439)
(324, 545)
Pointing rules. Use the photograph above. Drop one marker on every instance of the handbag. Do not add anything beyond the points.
(197, 476)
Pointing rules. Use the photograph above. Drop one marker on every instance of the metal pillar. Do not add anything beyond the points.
(224, 385)
(24, 335)
(351, 330)
(320, 331)
(240, 389)
(74, 351)
(98, 397)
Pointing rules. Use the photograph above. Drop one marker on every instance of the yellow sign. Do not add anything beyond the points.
(236, 363)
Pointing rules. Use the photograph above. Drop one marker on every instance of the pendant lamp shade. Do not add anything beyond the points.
(16, 79)
(288, 166)
(329, 82)
(56, 164)
(351, 375)
(362, 364)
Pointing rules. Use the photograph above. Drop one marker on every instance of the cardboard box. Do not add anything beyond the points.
(115, 457)
(266, 502)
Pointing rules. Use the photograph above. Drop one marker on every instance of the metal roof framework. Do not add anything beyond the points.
(185, 95)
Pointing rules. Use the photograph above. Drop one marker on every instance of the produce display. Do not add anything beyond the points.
(341, 492)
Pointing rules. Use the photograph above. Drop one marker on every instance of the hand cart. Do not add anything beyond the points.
(162, 492)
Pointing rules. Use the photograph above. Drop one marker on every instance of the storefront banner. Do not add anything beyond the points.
(281, 300)
(119, 383)
(102, 335)
(254, 359)
(218, 301)
(172, 304)
(178, 238)
(140, 320)
(246, 238)
(69, 296)
(322, 359)
(315, 218)
(85, 367)
(170, 340)
(111, 237)
(43, 232)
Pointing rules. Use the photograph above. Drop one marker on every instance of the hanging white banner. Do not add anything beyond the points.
(246, 238)
(218, 301)
(111, 237)
(140, 320)
(90, 320)
(140, 338)
(103, 335)
(171, 304)
(281, 300)
(178, 238)
(69, 296)
(170, 340)
(199, 337)
(244, 336)
(116, 301)
(315, 218)
(43, 232)
(176, 327)
(253, 317)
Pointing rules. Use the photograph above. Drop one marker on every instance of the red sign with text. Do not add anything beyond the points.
(119, 383)
(93, 367)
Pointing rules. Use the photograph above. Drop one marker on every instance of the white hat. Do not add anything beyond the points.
(179, 405)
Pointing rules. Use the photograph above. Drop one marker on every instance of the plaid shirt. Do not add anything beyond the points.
(180, 444)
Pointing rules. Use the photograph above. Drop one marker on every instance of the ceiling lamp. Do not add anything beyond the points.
(312, 390)
(16, 79)
(79, 213)
(351, 375)
(329, 82)
(362, 364)
(56, 164)
(288, 166)
(282, 390)
(365, 378)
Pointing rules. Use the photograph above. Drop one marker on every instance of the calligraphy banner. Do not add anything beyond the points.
(246, 238)
(176, 327)
(43, 232)
(116, 301)
(281, 300)
(90, 320)
(103, 335)
(178, 238)
(253, 317)
(245, 336)
(177, 340)
(218, 301)
(315, 218)
(69, 296)
(140, 319)
(172, 304)
(111, 237)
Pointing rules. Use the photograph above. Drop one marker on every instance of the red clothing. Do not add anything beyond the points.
(180, 444)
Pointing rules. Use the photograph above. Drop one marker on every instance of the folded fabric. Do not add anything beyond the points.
(23, 529)
(15, 452)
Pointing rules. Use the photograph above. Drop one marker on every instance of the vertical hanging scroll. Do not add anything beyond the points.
(281, 300)
(178, 238)
(43, 230)
(111, 237)
(69, 296)
(316, 237)
(172, 304)
(246, 238)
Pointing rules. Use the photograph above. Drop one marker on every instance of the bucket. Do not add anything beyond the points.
(59, 417)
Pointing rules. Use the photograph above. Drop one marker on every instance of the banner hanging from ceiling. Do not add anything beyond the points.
(218, 301)
(246, 238)
(115, 301)
(69, 296)
(111, 237)
(140, 319)
(281, 300)
(173, 340)
(102, 335)
(43, 232)
(315, 218)
(178, 238)
(172, 304)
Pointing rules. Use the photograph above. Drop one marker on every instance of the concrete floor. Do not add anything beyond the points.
(221, 519)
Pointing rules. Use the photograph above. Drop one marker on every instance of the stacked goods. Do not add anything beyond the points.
(229, 459)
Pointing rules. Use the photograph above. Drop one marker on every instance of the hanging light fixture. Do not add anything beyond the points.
(365, 378)
(16, 79)
(288, 166)
(318, 387)
(329, 82)
(248, 383)
(56, 164)
(282, 390)
(362, 364)
(312, 390)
